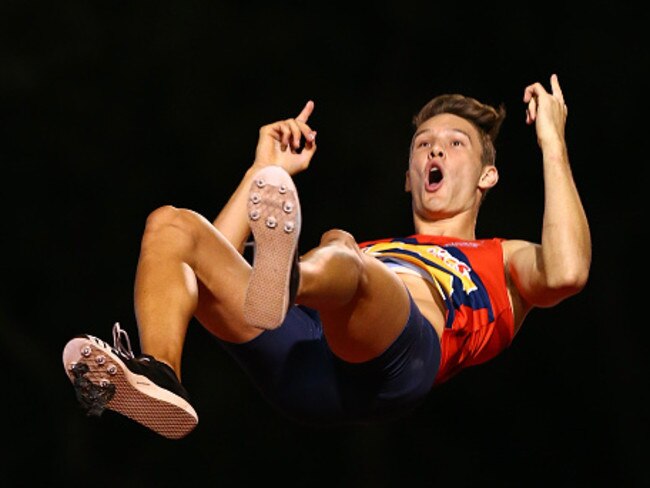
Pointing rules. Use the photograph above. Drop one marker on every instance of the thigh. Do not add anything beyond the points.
(370, 323)
(396, 382)
(222, 274)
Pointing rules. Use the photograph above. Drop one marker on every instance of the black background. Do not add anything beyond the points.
(111, 109)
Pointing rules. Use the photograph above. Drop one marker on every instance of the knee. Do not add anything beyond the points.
(338, 237)
(164, 221)
(344, 245)
(162, 217)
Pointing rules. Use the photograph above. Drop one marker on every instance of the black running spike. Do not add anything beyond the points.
(93, 398)
(79, 369)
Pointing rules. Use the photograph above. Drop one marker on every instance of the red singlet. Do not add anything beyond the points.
(470, 277)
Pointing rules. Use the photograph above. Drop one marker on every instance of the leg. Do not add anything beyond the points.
(187, 268)
(363, 305)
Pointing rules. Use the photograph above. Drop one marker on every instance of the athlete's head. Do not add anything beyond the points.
(485, 118)
(452, 156)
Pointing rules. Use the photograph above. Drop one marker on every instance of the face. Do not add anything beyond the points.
(445, 175)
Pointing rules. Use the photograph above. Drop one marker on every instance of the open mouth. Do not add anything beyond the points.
(435, 175)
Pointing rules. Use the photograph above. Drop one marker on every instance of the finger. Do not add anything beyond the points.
(310, 143)
(284, 135)
(555, 88)
(531, 111)
(305, 142)
(528, 93)
(529, 118)
(304, 114)
(300, 128)
(308, 149)
(533, 90)
(292, 132)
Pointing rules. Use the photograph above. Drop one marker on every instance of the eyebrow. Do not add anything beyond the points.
(420, 132)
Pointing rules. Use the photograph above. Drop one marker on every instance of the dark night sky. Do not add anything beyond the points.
(111, 109)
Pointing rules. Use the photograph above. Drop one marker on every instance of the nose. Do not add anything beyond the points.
(437, 151)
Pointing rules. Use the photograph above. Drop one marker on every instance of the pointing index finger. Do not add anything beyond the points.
(555, 88)
(303, 116)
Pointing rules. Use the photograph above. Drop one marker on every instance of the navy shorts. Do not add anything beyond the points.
(295, 370)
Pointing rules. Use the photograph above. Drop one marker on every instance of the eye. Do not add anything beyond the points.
(457, 143)
(424, 144)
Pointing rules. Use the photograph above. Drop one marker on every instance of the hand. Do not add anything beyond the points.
(279, 143)
(547, 110)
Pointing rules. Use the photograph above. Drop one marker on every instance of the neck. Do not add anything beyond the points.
(462, 226)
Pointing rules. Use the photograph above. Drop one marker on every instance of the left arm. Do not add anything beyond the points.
(547, 273)
(277, 145)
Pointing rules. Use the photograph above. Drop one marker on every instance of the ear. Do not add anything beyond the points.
(407, 182)
(489, 177)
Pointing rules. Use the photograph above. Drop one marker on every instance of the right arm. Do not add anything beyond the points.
(277, 145)
(547, 273)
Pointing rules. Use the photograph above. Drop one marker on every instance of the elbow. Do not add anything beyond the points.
(570, 281)
(567, 267)
(557, 291)
(571, 287)
(578, 275)
(570, 273)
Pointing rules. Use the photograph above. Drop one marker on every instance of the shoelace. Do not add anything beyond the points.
(118, 335)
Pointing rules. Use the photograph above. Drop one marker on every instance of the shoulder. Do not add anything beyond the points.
(518, 256)
(512, 247)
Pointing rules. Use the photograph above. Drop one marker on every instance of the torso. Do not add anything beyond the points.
(433, 307)
(464, 293)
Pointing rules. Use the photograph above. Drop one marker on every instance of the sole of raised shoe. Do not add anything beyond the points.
(275, 220)
(135, 396)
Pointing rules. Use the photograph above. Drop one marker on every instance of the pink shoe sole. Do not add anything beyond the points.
(274, 218)
(96, 371)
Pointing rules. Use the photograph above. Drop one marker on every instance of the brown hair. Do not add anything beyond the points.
(486, 118)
